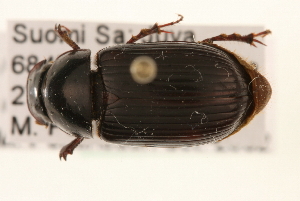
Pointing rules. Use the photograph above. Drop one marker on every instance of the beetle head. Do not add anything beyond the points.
(35, 101)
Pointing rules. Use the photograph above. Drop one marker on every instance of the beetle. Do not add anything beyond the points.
(159, 94)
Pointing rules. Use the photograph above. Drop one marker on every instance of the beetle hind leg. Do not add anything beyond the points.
(69, 148)
(154, 29)
(250, 38)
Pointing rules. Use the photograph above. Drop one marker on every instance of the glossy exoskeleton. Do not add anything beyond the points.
(162, 94)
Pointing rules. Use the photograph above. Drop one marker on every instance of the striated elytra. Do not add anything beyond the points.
(162, 94)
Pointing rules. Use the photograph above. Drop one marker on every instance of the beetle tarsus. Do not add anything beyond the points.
(69, 148)
(154, 29)
(63, 32)
(250, 38)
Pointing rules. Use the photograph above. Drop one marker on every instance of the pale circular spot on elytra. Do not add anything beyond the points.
(143, 69)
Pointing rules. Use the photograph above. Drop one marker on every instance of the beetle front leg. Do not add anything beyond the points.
(155, 29)
(250, 38)
(69, 148)
(63, 32)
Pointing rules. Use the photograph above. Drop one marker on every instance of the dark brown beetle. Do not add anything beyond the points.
(162, 94)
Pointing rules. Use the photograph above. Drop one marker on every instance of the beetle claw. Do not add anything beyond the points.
(257, 41)
(63, 32)
(69, 148)
(165, 31)
(263, 33)
(64, 152)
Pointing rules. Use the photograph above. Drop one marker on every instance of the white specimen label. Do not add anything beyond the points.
(29, 42)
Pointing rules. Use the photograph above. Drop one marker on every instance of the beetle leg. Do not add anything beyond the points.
(69, 148)
(250, 38)
(155, 29)
(64, 35)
